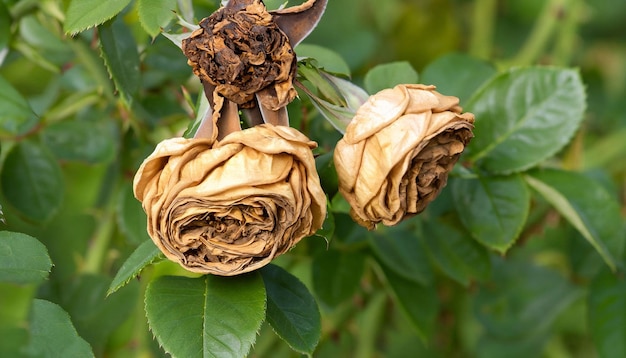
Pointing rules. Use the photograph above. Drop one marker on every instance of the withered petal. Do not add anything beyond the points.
(231, 206)
(397, 152)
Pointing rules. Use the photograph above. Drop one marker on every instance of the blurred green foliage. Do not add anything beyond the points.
(506, 262)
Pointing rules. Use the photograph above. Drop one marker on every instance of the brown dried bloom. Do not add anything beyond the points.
(240, 50)
(397, 151)
(231, 206)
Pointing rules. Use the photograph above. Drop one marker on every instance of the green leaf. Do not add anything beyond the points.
(23, 259)
(327, 59)
(95, 315)
(5, 30)
(202, 109)
(143, 256)
(325, 166)
(131, 217)
(336, 275)
(120, 55)
(389, 75)
(420, 303)
(525, 116)
(291, 309)
(607, 314)
(209, 316)
(32, 181)
(457, 74)
(16, 117)
(154, 15)
(587, 206)
(456, 253)
(52, 333)
(403, 252)
(522, 298)
(530, 344)
(84, 14)
(84, 141)
(493, 209)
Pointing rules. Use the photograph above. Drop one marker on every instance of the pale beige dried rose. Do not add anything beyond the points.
(231, 206)
(397, 151)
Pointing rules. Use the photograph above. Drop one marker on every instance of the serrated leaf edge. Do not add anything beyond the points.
(547, 154)
(563, 206)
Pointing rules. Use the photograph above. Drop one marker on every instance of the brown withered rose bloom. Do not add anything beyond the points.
(397, 151)
(231, 206)
(240, 50)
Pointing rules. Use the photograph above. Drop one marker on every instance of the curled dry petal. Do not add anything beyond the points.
(397, 151)
(231, 206)
(241, 50)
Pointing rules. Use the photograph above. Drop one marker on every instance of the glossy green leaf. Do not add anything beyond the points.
(493, 209)
(325, 58)
(86, 141)
(291, 309)
(84, 14)
(587, 206)
(389, 75)
(456, 253)
(131, 217)
(403, 252)
(120, 55)
(143, 256)
(32, 181)
(336, 275)
(420, 303)
(607, 314)
(16, 117)
(154, 15)
(95, 315)
(52, 333)
(23, 259)
(525, 116)
(209, 316)
(458, 75)
(521, 298)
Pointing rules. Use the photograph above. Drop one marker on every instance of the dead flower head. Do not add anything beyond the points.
(397, 152)
(240, 50)
(231, 206)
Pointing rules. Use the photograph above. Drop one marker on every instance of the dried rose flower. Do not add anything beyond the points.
(231, 206)
(397, 151)
(240, 50)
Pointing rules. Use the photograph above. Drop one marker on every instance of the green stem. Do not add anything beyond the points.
(566, 40)
(96, 255)
(483, 22)
(544, 27)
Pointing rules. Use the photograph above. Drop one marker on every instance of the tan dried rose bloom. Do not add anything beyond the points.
(241, 50)
(397, 151)
(231, 206)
